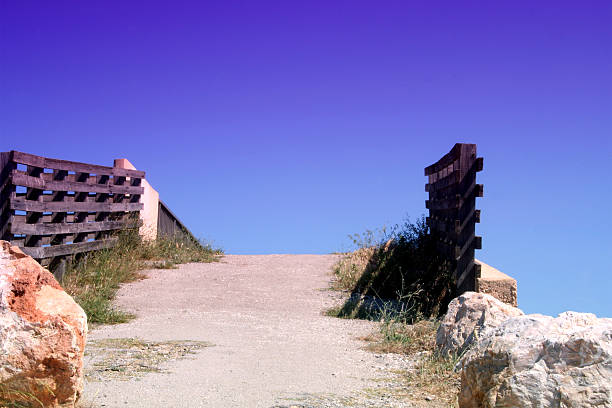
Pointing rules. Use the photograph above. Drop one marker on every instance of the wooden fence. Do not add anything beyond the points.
(53, 208)
(169, 225)
(452, 211)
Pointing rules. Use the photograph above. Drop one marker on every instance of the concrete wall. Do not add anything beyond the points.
(496, 283)
(150, 199)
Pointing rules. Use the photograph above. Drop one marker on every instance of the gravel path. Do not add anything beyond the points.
(247, 331)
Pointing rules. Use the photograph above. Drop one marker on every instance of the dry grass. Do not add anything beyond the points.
(351, 268)
(401, 338)
(408, 317)
(94, 279)
(432, 376)
(16, 398)
(127, 358)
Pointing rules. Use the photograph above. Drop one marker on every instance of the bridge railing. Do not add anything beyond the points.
(453, 215)
(53, 208)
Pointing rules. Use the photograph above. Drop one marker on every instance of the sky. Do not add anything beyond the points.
(282, 127)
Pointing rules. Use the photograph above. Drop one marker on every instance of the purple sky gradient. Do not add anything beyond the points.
(284, 126)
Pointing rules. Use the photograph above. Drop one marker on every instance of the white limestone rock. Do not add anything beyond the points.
(540, 361)
(467, 316)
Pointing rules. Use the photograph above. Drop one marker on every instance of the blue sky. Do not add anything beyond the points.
(278, 127)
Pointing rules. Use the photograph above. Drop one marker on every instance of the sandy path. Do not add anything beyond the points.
(263, 315)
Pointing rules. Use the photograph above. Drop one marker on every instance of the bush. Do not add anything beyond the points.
(402, 267)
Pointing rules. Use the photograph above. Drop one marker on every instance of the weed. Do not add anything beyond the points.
(431, 374)
(404, 265)
(15, 398)
(93, 279)
(401, 280)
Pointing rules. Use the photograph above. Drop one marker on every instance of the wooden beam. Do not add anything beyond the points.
(20, 204)
(77, 167)
(21, 179)
(18, 226)
(445, 161)
(68, 249)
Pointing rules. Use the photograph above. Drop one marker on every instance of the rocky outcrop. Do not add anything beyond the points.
(42, 332)
(540, 361)
(467, 316)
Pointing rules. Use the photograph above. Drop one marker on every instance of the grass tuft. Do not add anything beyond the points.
(401, 281)
(431, 375)
(15, 398)
(402, 266)
(93, 279)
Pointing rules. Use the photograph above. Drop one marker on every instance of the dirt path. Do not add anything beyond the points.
(245, 332)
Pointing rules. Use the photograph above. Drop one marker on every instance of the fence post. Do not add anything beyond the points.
(453, 215)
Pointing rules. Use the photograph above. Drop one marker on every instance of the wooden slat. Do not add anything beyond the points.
(470, 272)
(454, 177)
(80, 197)
(476, 190)
(5, 168)
(42, 240)
(444, 182)
(445, 161)
(21, 179)
(68, 249)
(18, 226)
(443, 204)
(56, 164)
(19, 203)
(474, 241)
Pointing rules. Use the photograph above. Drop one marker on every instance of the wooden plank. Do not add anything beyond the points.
(474, 241)
(24, 205)
(18, 226)
(56, 164)
(443, 204)
(454, 177)
(473, 216)
(44, 240)
(5, 168)
(17, 241)
(469, 273)
(79, 197)
(68, 249)
(21, 179)
(476, 190)
(444, 182)
(5, 233)
(445, 161)
(168, 224)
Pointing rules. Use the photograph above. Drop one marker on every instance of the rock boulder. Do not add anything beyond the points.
(467, 316)
(42, 333)
(540, 361)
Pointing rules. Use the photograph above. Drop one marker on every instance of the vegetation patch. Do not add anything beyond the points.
(93, 279)
(15, 398)
(126, 358)
(431, 375)
(401, 266)
(400, 280)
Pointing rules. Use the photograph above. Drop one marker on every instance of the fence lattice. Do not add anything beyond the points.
(52, 208)
(453, 215)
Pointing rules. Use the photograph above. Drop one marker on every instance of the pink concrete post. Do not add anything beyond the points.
(150, 199)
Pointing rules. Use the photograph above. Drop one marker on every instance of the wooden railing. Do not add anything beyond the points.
(453, 215)
(169, 226)
(52, 208)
